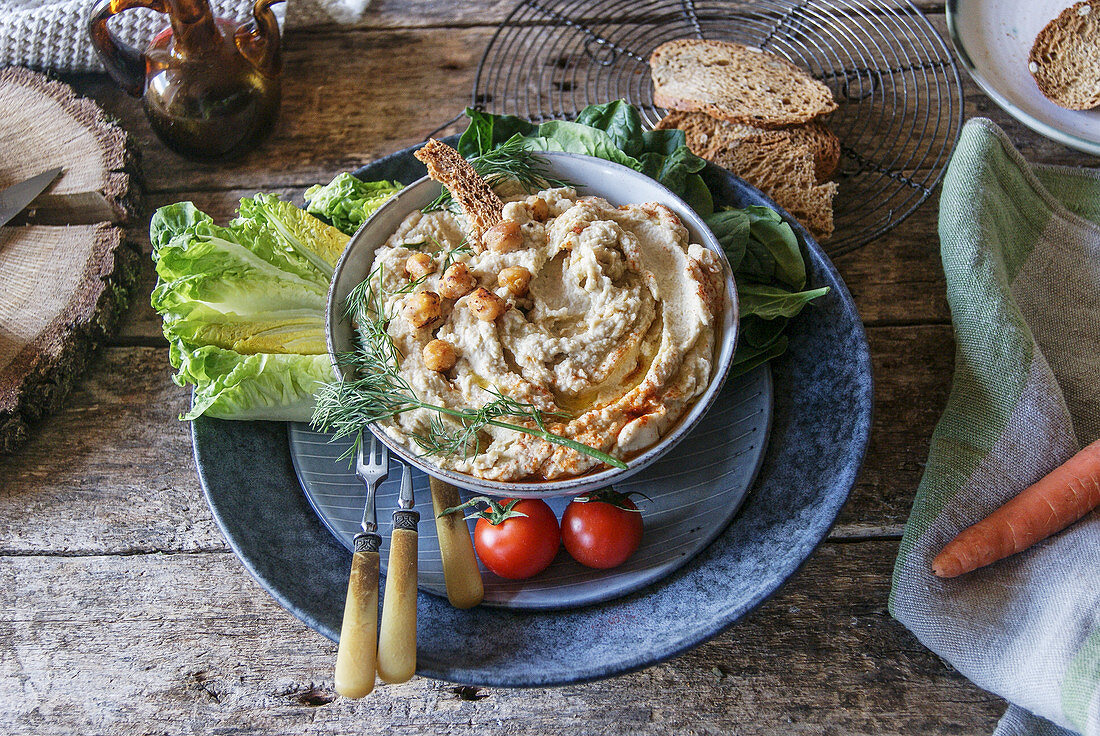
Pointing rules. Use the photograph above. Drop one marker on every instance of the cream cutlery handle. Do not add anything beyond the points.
(397, 638)
(355, 659)
(460, 573)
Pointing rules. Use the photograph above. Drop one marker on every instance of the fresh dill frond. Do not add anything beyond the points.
(462, 248)
(510, 161)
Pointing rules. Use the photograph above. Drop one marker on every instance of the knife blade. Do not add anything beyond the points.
(19, 195)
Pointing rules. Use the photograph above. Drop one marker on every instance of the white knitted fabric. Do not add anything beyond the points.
(53, 34)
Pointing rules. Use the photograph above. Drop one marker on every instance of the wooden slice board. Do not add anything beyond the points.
(66, 267)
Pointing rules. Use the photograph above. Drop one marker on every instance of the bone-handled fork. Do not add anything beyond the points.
(356, 657)
(397, 639)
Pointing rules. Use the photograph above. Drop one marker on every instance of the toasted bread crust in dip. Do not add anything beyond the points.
(612, 339)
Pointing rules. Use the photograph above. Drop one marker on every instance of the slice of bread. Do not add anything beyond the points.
(479, 202)
(735, 83)
(776, 164)
(1065, 59)
(708, 136)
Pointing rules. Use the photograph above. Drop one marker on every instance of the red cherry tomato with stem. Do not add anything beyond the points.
(515, 539)
(601, 530)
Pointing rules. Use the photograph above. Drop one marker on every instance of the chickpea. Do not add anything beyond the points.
(423, 309)
(515, 279)
(457, 281)
(439, 355)
(486, 305)
(419, 265)
(503, 237)
(540, 211)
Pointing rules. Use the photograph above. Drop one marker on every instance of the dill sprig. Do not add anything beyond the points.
(375, 391)
(510, 161)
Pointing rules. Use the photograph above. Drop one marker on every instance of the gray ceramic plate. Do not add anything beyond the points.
(692, 492)
(820, 424)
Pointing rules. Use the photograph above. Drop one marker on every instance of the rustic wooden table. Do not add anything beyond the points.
(127, 612)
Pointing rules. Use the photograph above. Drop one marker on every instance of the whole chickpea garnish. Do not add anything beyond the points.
(514, 278)
(486, 305)
(503, 237)
(419, 265)
(540, 211)
(423, 309)
(457, 281)
(439, 355)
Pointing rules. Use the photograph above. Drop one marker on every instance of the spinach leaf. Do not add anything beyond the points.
(664, 141)
(486, 131)
(678, 172)
(731, 228)
(562, 135)
(760, 245)
(620, 120)
(781, 244)
(770, 302)
(747, 357)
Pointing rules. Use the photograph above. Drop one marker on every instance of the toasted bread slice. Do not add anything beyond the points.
(783, 169)
(708, 136)
(479, 202)
(1065, 59)
(735, 83)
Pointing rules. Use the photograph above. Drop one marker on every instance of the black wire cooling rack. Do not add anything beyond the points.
(900, 100)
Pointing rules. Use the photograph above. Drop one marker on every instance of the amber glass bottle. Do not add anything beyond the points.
(210, 87)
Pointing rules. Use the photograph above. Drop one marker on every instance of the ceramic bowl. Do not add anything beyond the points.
(592, 176)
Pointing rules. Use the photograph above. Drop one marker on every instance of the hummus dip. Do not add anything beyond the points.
(613, 334)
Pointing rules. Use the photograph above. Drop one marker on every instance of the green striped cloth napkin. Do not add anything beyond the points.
(1021, 252)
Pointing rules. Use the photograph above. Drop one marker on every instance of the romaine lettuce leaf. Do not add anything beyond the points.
(186, 242)
(243, 306)
(259, 386)
(274, 331)
(347, 202)
(320, 244)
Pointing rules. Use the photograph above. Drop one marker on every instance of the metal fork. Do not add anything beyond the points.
(356, 658)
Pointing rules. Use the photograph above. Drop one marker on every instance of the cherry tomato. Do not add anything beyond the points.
(519, 546)
(603, 531)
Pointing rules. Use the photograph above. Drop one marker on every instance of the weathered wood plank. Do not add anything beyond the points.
(188, 644)
(427, 13)
(113, 472)
(334, 119)
(912, 371)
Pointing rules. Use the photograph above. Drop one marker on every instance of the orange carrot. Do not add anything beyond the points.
(1061, 498)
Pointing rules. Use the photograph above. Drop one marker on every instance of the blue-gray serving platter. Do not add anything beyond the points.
(821, 418)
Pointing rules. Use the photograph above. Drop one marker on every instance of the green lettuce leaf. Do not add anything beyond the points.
(187, 242)
(244, 305)
(229, 385)
(347, 202)
(486, 132)
(612, 131)
(320, 244)
(562, 135)
(760, 245)
(770, 302)
(273, 331)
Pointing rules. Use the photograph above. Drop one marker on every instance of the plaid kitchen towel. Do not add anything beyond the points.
(53, 34)
(1021, 252)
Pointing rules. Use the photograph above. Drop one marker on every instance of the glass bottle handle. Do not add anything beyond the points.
(258, 41)
(124, 63)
